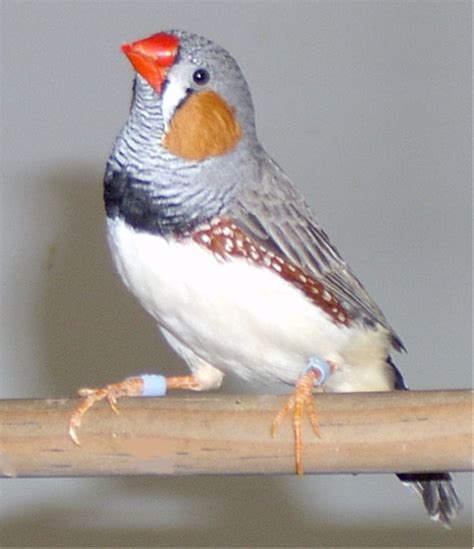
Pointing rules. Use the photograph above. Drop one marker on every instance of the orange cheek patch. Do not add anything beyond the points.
(205, 125)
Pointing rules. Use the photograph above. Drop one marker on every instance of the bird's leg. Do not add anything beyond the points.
(316, 373)
(145, 385)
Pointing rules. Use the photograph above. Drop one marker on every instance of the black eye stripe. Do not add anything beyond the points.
(201, 76)
(164, 86)
(189, 92)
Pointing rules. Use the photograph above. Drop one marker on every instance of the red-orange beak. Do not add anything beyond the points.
(152, 57)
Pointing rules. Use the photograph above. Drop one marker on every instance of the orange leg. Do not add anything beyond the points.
(302, 400)
(130, 387)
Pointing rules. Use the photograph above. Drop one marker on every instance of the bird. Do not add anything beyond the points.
(223, 251)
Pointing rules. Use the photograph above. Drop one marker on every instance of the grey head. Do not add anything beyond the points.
(150, 184)
(224, 77)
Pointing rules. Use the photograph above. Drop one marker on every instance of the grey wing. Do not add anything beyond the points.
(275, 214)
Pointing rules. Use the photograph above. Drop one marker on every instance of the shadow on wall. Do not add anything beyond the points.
(91, 332)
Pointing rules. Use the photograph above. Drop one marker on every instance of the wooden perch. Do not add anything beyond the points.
(226, 434)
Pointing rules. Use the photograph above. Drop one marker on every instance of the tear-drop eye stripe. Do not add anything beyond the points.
(189, 91)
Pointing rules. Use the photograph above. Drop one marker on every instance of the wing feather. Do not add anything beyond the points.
(276, 215)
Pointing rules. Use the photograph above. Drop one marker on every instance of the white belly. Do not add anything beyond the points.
(243, 318)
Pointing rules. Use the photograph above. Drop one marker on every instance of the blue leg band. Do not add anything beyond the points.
(153, 385)
(321, 366)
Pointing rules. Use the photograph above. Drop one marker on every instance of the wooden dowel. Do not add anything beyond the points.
(226, 434)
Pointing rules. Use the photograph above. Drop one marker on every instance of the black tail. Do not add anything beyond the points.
(438, 494)
(435, 489)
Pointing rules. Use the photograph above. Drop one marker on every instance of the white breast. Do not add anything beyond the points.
(240, 317)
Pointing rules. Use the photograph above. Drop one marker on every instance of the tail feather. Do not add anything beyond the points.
(438, 494)
(435, 489)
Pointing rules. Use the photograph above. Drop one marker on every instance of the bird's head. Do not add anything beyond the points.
(198, 90)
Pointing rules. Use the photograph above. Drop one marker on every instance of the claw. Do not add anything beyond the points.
(113, 404)
(301, 400)
(72, 431)
(145, 385)
(131, 386)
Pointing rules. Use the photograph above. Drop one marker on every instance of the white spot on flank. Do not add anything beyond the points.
(326, 296)
(205, 238)
(233, 312)
(303, 279)
(267, 260)
(276, 267)
(226, 231)
(229, 245)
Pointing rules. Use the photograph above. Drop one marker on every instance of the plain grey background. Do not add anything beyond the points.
(367, 106)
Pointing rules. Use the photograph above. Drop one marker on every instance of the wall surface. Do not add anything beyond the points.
(366, 105)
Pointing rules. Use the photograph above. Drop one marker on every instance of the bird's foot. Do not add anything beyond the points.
(145, 385)
(132, 386)
(302, 401)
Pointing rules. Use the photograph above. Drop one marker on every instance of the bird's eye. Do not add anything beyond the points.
(201, 76)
